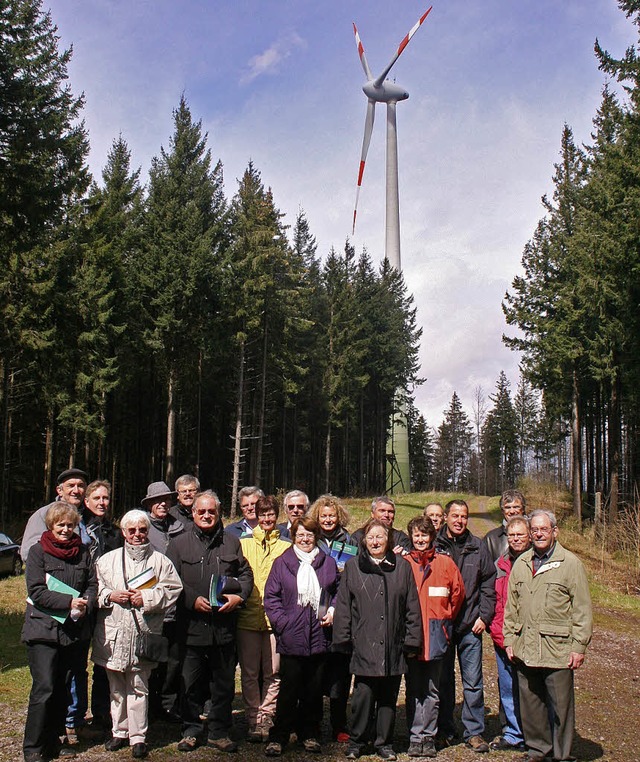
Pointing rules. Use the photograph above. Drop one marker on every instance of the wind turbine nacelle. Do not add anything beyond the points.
(387, 92)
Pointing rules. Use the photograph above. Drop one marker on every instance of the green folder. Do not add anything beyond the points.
(56, 586)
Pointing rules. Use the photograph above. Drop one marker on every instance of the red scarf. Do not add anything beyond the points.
(67, 550)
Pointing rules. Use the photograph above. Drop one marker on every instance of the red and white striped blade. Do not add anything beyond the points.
(363, 58)
(368, 129)
(402, 46)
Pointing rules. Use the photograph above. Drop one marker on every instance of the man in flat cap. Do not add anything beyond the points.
(70, 488)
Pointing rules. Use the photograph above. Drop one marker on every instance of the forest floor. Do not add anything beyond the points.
(607, 686)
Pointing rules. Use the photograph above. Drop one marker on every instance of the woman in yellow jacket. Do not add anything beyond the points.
(256, 642)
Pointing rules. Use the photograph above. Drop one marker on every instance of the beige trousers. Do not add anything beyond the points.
(257, 650)
(129, 702)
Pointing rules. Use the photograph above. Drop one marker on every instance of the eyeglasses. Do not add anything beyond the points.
(206, 512)
(187, 491)
(136, 530)
(516, 536)
(541, 530)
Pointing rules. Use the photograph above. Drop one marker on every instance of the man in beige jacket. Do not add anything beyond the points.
(547, 628)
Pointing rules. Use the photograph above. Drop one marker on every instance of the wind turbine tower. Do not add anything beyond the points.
(381, 90)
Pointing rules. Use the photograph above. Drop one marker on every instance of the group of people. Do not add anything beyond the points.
(171, 601)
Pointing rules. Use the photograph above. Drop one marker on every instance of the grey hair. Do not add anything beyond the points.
(207, 493)
(544, 512)
(185, 479)
(135, 516)
(296, 493)
(382, 499)
(248, 492)
(518, 520)
(509, 495)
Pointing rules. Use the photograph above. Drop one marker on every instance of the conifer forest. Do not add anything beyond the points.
(168, 324)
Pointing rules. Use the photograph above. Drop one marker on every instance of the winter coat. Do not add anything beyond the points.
(240, 529)
(115, 635)
(504, 564)
(548, 615)
(162, 532)
(339, 535)
(377, 616)
(260, 550)
(197, 557)
(100, 536)
(496, 543)
(441, 594)
(79, 573)
(478, 572)
(179, 513)
(297, 628)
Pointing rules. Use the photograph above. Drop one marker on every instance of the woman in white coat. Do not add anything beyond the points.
(125, 611)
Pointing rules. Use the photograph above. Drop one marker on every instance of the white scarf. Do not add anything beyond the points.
(308, 585)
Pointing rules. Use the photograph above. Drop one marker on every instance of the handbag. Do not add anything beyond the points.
(149, 645)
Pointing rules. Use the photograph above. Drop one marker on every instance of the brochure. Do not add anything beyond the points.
(144, 581)
(341, 552)
(56, 586)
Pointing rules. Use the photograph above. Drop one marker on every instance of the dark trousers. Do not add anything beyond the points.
(50, 665)
(373, 709)
(164, 683)
(100, 700)
(547, 710)
(337, 684)
(299, 705)
(208, 673)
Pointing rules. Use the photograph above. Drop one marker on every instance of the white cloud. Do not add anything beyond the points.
(268, 62)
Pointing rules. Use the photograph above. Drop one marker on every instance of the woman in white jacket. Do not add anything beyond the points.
(125, 611)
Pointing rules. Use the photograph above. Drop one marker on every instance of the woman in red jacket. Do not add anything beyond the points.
(441, 594)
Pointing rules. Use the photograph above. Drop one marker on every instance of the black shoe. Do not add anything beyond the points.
(500, 743)
(445, 740)
(67, 752)
(139, 750)
(115, 743)
(188, 743)
(386, 752)
(414, 750)
(34, 756)
(352, 751)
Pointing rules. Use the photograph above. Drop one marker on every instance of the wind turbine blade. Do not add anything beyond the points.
(368, 129)
(363, 58)
(379, 80)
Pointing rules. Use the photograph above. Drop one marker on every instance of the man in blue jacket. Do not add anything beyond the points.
(478, 572)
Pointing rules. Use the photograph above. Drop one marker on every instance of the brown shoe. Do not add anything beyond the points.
(223, 744)
(477, 743)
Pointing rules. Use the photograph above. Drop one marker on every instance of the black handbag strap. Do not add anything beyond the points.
(124, 574)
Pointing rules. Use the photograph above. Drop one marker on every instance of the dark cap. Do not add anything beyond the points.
(71, 473)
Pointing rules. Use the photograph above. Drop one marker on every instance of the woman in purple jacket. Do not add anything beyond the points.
(301, 584)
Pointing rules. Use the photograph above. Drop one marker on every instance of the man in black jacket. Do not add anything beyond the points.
(512, 504)
(478, 572)
(208, 671)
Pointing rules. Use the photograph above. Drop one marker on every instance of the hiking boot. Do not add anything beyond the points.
(139, 750)
(429, 748)
(386, 752)
(116, 743)
(273, 749)
(414, 750)
(254, 734)
(223, 744)
(188, 743)
(477, 743)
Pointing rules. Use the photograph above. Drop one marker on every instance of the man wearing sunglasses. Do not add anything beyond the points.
(208, 672)
(295, 506)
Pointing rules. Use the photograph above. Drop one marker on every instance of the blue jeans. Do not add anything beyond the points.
(508, 687)
(78, 687)
(469, 647)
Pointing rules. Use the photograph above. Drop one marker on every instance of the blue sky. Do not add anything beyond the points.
(278, 82)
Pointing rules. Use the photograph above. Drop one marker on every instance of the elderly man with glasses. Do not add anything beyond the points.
(295, 506)
(208, 615)
(548, 624)
(187, 487)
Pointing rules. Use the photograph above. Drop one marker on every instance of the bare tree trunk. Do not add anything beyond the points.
(169, 468)
(576, 452)
(237, 440)
(199, 424)
(48, 454)
(263, 403)
(614, 450)
(327, 458)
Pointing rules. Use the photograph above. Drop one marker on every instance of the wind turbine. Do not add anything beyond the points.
(382, 90)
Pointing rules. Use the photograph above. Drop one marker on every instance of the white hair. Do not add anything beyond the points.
(136, 516)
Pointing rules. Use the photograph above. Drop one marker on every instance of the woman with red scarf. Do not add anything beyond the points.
(441, 594)
(62, 590)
